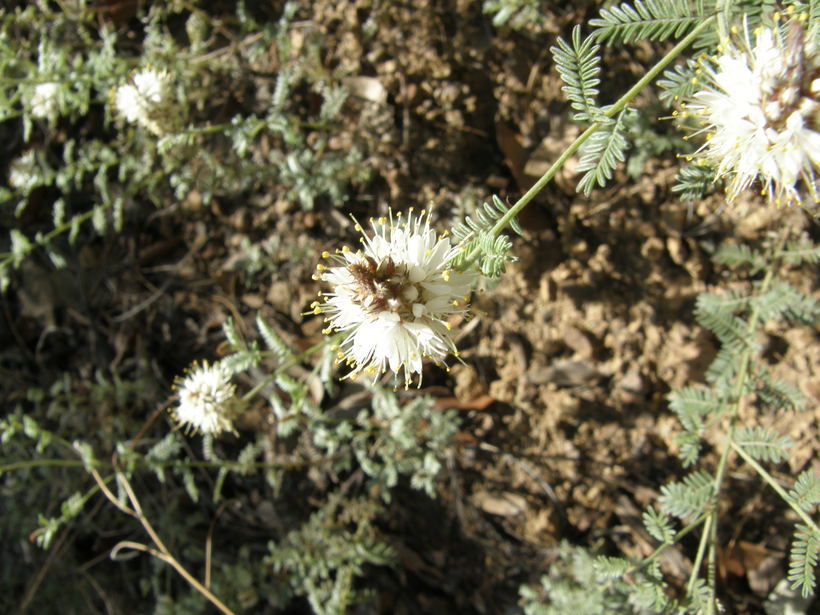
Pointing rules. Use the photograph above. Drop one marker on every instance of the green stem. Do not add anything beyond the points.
(704, 538)
(774, 485)
(38, 463)
(622, 102)
(290, 363)
(736, 399)
(665, 545)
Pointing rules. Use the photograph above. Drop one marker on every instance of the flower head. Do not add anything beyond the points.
(393, 297)
(141, 101)
(761, 114)
(44, 103)
(207, 399)
(24, 172)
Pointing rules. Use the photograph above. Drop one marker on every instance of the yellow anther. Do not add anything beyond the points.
(345, 249)
(325, 254)
(317, 310)
(321, 267)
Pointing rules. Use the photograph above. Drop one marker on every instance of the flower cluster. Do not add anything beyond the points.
(144, 98)
(24, 172)
(207, 399)
(44, 102)
(761, 113)
(393, 298)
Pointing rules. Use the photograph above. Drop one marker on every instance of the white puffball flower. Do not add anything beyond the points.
(142, 100)
(44, 103)
(207, 399)
(393, 298)
(24, 172)
(761, 114)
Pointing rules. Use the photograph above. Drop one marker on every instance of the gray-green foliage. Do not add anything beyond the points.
(197, 156)
(515, 14)
(321, 558)
(391, 440)
(739, 371)
(326, 554)
(578, 64)
(579, 581)
(739, 374)
(628, 22)
(478, 243)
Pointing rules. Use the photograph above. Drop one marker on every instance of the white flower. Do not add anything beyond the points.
(142, 100)
(761, 115)
(207, 399)
(24, 172)
(44, 103)
(393, 297)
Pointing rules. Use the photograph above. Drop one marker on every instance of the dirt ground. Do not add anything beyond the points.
(567, 364)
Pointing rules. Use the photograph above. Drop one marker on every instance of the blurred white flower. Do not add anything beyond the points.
(207, 399)
(24, 172)
(143, 99)
(761, 114)
(44, 103)
(393, 297)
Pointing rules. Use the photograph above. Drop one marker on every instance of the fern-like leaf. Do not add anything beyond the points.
(763, 444)
(679, 83)
(798, 252)
(727, 302)
(649, 19)
(601, 153)
(794, 305)
(688, 497)
(608, 568)
(740, 256)
(273, 340)
(477, 242)
(485, 218)
(692, 404)
(778, 394)
(803, 559)
(658, 525)
(775, 302)
(579, 66)
(689, 443)
(806, 491)
(693, 181)
(732, 331)
(232, 334)
(723, 367)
